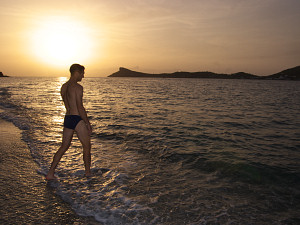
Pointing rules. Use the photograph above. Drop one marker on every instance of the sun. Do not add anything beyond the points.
(61, 42)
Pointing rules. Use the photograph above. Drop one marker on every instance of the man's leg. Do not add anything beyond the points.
(85, 139)
(66, 142)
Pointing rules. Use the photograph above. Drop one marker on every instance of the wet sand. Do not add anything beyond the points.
(26, 198)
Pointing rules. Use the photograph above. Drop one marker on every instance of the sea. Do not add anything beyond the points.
(169, 151)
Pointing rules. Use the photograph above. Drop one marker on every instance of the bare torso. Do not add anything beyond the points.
(69, 90)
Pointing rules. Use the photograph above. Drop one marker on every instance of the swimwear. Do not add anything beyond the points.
(71, 121)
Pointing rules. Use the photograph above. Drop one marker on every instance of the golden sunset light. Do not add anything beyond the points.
(149, 112)
(60, 42)
(39, 38)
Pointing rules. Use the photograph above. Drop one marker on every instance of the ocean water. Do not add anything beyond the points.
(170, 151)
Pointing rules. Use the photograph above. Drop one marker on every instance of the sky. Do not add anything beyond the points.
(43, 38)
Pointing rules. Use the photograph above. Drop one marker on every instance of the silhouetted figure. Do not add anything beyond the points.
(75, 120)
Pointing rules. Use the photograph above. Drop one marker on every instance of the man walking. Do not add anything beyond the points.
(75, 120)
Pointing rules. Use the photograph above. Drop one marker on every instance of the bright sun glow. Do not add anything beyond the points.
(61, 42)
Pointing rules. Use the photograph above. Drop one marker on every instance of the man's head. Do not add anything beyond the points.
(77, 71)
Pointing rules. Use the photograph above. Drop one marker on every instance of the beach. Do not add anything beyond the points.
(164, 151)
(26, 198)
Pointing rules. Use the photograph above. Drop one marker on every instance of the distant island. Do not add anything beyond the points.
(288, 74)
(1, 75)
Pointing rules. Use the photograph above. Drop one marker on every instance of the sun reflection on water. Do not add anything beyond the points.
(57, 119)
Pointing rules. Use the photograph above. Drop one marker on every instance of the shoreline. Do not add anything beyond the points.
(26, 198)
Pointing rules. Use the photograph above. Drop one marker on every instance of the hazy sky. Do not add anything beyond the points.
(42, 38)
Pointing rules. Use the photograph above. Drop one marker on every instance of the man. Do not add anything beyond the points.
(75, 120)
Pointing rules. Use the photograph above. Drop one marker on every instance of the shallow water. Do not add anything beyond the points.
(25, 197)
(170, 151)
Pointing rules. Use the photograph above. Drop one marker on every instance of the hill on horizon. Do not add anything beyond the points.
(288, 74)
(2, 75)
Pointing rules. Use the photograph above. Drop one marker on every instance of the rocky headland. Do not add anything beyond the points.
(2, 75)
(288, 74)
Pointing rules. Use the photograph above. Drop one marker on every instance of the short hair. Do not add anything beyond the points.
(76, 67)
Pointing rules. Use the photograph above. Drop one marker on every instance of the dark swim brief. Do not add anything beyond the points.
(71, 121)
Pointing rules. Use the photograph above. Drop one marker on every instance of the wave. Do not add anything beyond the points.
(250, 172)
(223, 164)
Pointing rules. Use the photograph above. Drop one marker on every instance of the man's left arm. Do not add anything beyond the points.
(81, 109)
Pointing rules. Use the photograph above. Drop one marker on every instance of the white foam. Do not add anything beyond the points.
(103, 198)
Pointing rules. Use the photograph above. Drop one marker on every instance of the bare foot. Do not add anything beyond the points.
(50, 177)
